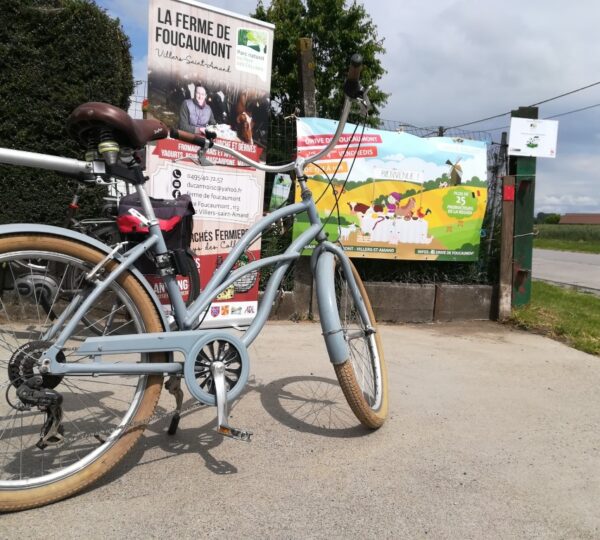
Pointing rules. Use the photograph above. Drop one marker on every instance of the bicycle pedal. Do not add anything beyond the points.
(234, 433)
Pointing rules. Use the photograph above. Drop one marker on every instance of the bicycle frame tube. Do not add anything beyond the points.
(170, 341)
(66, 332)
(220, 280)
(53, 163)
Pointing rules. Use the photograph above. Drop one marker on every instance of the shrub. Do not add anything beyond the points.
(54, 55)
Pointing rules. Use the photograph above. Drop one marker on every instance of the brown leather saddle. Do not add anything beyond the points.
(86, 120)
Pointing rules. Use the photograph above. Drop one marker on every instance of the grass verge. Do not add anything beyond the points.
(563, 314)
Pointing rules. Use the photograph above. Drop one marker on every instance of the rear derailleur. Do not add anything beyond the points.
(36, 390)
(32, 394)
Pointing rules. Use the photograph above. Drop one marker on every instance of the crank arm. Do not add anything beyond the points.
(218, 373)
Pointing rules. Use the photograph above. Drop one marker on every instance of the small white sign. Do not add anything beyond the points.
(532, 138)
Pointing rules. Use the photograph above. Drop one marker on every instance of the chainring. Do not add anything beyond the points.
(222, 347)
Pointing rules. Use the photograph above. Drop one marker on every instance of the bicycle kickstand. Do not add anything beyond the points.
(173, 385)
(218, 373)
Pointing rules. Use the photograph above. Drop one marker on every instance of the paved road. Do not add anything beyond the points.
(492, 433)
(565, 267)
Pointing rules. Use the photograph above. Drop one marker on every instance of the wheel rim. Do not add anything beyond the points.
(362, 342)
(96, 410)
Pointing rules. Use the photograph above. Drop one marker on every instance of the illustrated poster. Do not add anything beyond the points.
(395, 195)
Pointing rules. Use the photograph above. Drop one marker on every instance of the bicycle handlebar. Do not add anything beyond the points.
(352, 90)
(187, 137)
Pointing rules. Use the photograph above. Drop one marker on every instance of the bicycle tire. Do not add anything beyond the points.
(103, 417)
(363, 376)
(193, 277)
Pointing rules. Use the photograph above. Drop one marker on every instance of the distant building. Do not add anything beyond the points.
(580, 219)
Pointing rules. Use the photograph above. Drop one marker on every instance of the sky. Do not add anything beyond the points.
(452, 62)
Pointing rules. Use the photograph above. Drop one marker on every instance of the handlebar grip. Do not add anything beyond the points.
(187, 137)
(352, 86)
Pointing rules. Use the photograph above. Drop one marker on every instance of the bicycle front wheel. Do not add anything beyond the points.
(363, 377)
(48, 452)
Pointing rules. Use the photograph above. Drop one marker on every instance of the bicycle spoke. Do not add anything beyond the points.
(34, 445)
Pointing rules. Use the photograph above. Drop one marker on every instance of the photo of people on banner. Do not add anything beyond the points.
(236, 113)
(210, 67)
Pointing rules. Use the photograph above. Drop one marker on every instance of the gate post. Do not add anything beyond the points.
(523, 169)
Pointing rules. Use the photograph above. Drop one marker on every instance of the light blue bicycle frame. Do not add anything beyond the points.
(189, 318)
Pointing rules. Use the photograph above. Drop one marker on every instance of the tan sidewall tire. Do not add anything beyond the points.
(31, 498)
(346, 376)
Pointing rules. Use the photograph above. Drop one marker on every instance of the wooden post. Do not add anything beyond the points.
(506, 247)
(523, 169)
(303, 279)
(306, 66)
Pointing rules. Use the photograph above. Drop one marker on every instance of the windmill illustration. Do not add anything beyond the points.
(456, 172)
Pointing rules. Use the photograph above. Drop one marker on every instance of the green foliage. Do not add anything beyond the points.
(543, 217)
(588, 233)
(581, 238)
(476, 181)
(337, 31)
(54, 55)
(435, 184)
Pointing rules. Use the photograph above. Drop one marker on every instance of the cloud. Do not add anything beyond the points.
(450, 62)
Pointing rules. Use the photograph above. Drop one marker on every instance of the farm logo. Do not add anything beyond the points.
(251, 52)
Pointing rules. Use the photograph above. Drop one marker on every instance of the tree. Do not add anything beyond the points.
(337, 32)
(552, 219)
(54, 55)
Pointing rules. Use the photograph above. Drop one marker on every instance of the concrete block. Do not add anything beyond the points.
(401, 302)
(284, 307)
(303, 288)
(465, 302)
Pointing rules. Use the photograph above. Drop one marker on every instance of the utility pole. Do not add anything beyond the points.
(306, 66)
(303, 279)
(523, 169)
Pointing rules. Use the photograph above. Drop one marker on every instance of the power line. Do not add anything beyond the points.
(574, 111)
(553, 116)
(532, 105)
(566, 94)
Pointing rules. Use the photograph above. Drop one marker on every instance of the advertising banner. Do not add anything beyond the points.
(395, 195)
(207, 66)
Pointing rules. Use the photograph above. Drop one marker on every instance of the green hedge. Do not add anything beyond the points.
(54, 55)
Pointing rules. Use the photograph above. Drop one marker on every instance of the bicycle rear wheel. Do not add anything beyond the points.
(363, 377)
(47, 455)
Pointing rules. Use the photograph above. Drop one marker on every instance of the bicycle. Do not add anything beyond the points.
(68, 414)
